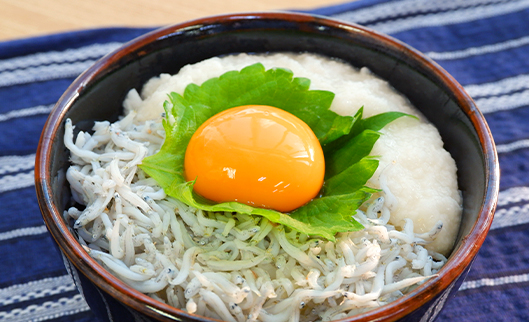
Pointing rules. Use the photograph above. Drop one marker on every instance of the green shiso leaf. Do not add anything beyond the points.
(346, 141)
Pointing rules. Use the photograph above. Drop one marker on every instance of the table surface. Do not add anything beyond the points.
(28, 18)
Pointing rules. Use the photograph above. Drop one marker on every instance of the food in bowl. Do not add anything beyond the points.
(234, 266)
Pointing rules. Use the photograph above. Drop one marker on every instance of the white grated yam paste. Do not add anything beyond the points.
(420, 173)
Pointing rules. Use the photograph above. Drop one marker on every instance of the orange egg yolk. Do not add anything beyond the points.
(257, 155)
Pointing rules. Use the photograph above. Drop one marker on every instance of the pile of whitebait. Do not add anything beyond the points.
(229, 266)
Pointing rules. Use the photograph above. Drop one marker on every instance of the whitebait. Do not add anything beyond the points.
(227, 266)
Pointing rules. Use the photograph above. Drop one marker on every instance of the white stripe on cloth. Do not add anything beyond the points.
(501, 87)
(24, 112)
(392, 9)
(92, 51)
(488, 282)
(513, 216)
(16, 163)
(46, 311)
(502, 95)
(513, 195)
(36, 289)
(513, 146)
(475, 51)
(503, 102)
(439, 19)
(22, 232)
(44, 73)
(17, 181)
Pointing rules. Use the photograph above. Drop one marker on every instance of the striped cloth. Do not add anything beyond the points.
(484, 44)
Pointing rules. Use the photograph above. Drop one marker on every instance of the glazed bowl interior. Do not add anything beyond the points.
(99, 92)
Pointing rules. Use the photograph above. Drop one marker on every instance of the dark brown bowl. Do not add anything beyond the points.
(98, 94)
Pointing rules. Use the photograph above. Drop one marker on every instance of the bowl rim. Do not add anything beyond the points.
(460, 259)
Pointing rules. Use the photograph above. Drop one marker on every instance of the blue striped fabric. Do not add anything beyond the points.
(484, 44)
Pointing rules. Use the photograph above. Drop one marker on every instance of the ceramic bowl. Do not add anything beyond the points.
(98, 94)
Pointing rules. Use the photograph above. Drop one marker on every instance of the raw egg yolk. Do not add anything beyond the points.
(257, 155)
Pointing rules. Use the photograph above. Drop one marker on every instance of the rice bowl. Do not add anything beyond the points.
(376, 311)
